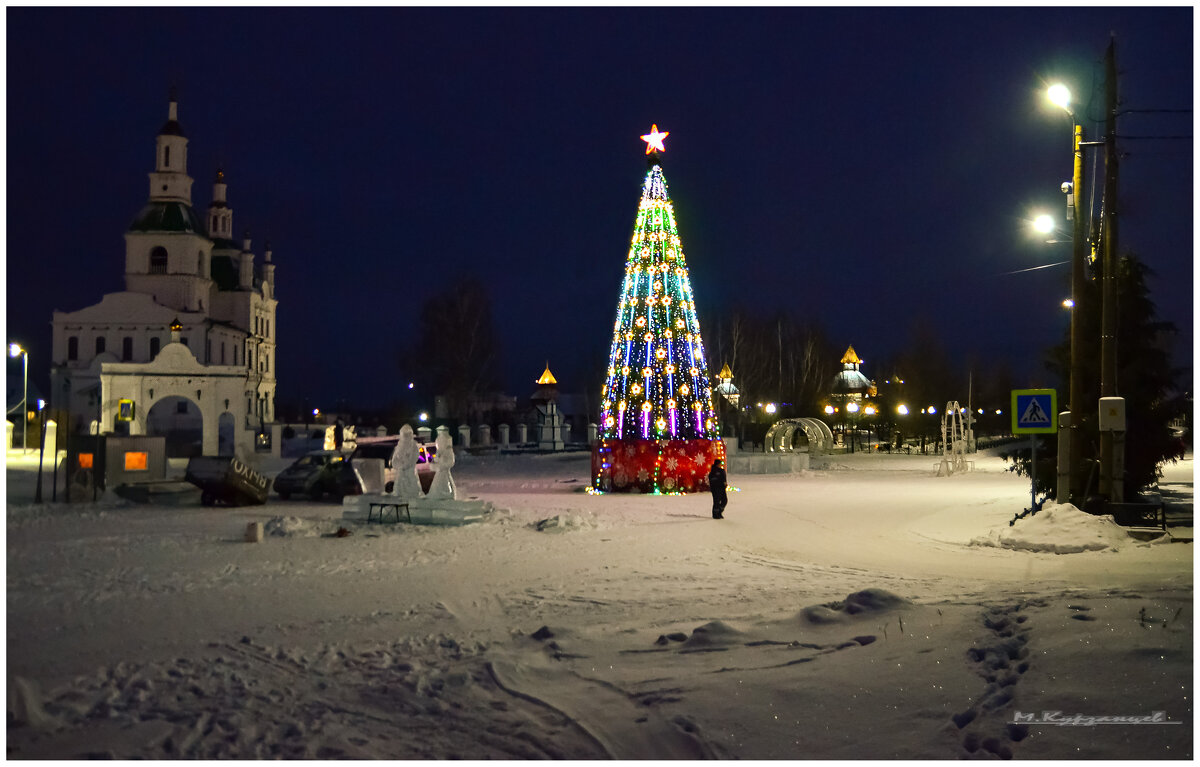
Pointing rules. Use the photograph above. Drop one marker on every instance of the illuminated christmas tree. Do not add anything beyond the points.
(658, 426)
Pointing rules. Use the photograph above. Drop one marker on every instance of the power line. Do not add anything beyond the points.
(1154, 111)
(1154, 138)
(1034, 268)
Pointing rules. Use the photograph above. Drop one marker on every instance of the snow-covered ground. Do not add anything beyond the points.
(863, 609)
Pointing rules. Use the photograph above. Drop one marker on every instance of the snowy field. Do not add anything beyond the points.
(863, 609)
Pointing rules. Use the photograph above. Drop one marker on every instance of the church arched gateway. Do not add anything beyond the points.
(175, 373)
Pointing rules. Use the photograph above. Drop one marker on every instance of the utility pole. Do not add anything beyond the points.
(1079, 246)
(1109, 481)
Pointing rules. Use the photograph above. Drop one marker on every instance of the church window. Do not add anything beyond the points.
(127, 349)
(166, 157)
(73, 348)
(153, 347)
(181, 407)
(222, 352)
(99, 344)
(158, 260)
(208, 350)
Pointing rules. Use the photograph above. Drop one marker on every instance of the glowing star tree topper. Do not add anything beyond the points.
(658, 424)
(654, 140)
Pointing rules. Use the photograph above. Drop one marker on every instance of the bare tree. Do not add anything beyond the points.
(455, 354)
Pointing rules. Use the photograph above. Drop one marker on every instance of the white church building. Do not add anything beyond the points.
(187, 350)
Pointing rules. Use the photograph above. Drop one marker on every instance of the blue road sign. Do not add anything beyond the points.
(1034, 411)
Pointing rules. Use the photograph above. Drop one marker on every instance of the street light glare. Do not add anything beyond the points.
(14, 350)
(1044, 224)
(1059, 95)
(1068, 303)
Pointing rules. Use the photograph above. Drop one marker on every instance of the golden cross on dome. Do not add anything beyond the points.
(654, 139)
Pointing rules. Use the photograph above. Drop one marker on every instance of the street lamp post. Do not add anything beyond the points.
(41, 409)
(1060, 95)
(852, 421)
(13, 350)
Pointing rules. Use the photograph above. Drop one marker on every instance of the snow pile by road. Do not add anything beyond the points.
(286, 527)
(1060, 528)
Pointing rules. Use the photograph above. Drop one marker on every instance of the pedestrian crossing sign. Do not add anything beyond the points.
(1034, 411)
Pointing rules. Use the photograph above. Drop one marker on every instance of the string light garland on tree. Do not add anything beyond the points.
(658, 424)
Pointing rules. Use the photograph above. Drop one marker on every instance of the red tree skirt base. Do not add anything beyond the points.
(654, 466)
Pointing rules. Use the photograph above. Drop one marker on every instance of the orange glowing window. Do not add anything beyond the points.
(85, 460)
(135, 461)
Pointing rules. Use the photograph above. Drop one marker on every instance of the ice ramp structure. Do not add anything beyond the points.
(388, 508)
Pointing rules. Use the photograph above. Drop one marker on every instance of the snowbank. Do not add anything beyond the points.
(1060, 529)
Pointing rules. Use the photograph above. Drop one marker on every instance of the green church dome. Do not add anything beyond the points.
(168, 217)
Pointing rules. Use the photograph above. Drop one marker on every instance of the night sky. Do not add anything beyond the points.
(860, 166)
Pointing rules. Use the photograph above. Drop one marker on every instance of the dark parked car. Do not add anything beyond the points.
(313, 475)
(382, 448)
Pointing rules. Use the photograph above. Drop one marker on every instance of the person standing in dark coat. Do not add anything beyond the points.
(716, 484)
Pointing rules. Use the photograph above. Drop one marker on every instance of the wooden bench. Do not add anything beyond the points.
(1138, 514)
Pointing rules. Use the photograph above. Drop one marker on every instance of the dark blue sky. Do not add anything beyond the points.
(864, 166)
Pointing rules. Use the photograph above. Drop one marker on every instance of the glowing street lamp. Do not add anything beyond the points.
(1060, 96)
(15, 349)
